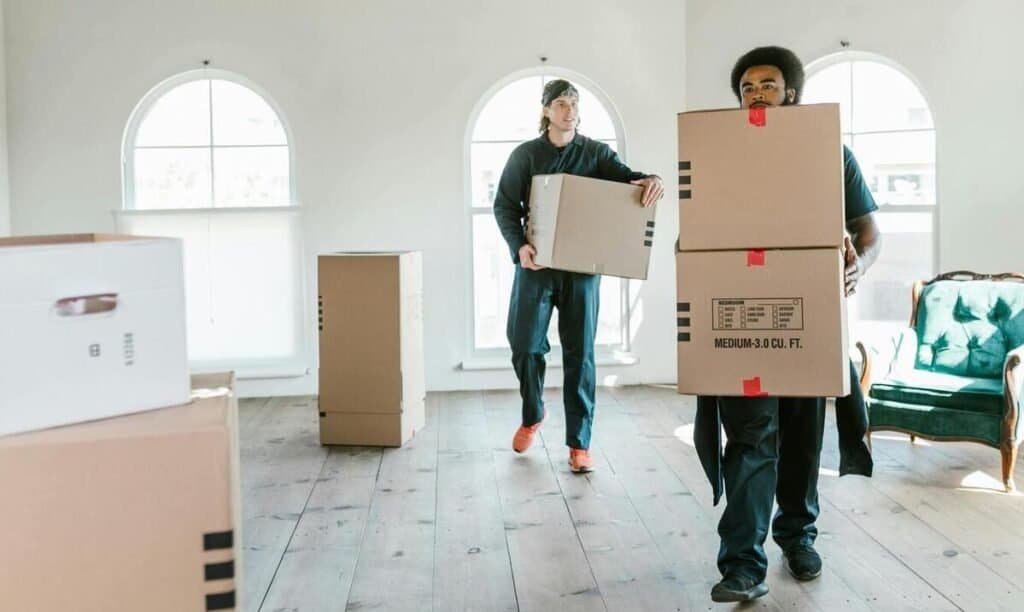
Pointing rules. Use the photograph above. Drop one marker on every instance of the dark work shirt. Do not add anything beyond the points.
(859, 201)
(582, 157)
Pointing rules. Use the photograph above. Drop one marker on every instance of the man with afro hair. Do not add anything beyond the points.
(773, 446)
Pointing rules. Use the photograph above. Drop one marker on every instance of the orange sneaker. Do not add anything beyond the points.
(580, 461)
(524, 436)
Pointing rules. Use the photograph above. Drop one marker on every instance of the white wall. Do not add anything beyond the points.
(377, 94)
(5, 195)
(963, 54)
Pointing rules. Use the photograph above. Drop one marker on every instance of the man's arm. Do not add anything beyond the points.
(863, 247)
(510, 202)
(610, 167)
(865, 242)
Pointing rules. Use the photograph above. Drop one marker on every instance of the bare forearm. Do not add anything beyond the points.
(867, 239)
(868, 250)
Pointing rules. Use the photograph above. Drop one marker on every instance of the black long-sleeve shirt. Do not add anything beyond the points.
(582, 156)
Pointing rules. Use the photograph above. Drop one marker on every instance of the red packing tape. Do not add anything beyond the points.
(755, 258)
(758, 116)
(752, 387)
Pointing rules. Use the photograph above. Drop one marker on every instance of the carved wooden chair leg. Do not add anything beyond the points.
(1009, 452)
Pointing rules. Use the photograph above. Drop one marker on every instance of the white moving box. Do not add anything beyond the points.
(91, 326)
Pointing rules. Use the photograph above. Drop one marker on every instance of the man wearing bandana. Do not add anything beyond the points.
(536, 291)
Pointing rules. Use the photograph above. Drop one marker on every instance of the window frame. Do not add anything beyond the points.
(145, 105)
(851, 56)
(498, 358)
(255, 368)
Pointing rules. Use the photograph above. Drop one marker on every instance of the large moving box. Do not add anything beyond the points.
(371, 348)
(750, 321)
(762, 323)
(137, 512)
(590, 225)
(93, 326)
(769, 178)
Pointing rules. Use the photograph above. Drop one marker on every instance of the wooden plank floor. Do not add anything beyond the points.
(456, 521)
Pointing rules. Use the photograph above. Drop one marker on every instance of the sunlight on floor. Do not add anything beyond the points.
(684, 433)
(981, 482)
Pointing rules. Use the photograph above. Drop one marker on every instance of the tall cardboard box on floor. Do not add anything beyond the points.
(371, 348)
(137, 512)
(762, 323)
(91, 326)
(589, 225)
(768, 178)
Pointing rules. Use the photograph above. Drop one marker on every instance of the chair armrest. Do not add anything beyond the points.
(1013, 383)
(881, 359)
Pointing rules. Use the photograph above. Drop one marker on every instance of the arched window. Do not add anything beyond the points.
(508, 115)
(887, 123)
(207, 158)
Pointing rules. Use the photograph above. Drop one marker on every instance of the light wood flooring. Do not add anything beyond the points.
(457, 521)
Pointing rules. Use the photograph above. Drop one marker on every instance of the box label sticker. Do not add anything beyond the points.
(769, 314)
(759, 343)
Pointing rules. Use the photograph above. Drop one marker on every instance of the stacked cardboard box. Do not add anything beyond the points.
(93, 326)
(137, 512)
(371, 348)
(760, 304)
(590, 225)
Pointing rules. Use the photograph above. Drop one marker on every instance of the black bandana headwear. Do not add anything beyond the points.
(556, 89)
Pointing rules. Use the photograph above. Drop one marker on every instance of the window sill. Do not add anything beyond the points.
(284, 369)
(503, 362)
(207, 210)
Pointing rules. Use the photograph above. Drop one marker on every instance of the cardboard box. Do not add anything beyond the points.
(371, 346)
(589, 225)
(764, 178)
(370, 429)
(762, 323)
(93, 327)
(138, 512)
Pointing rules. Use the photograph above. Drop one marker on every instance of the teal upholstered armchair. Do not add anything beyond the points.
(956, 373)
